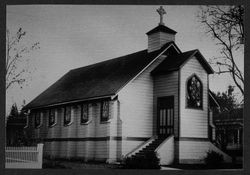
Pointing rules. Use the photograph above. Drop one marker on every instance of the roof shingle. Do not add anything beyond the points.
(100, 79)
(161, 28)
(105, 78)
(173, 62)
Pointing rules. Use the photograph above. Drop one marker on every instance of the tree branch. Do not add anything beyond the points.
(226, 26)
(14, 69)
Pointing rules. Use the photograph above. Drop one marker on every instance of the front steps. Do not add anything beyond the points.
(149, 148)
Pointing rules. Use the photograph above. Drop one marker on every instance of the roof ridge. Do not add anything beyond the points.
(108, 60)
(190, 51)
(101, 62)
(167, 44)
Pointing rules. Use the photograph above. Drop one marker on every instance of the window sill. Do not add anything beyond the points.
(68, 124)
(51, 126)
(105, 122)
(37, 127)
(26, 126)
(201, 109)
(86, 123)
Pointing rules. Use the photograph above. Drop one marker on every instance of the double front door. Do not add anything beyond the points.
(165, 116)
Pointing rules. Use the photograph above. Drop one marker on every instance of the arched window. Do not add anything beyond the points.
(194, 92)
(104, 111)
(38, 119)
(52, 117)
(67, 115)
(84, 113)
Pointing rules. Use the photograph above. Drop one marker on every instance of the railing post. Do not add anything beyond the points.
(40, 154)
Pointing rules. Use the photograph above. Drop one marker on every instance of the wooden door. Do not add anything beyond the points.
(165, 116)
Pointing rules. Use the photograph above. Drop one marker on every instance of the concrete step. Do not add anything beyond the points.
(149, 148)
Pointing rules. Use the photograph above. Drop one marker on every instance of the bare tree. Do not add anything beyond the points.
(17, 69)
(225, 25)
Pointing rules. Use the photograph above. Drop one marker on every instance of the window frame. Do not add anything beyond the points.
(187, 93)
(55, 120)
(67, 123)
(38, 113)
(27, 120)
(82, 121)
(106, 119)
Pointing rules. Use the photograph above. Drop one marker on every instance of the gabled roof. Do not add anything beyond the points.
(174, 62)
(161, 28)
(97, 80)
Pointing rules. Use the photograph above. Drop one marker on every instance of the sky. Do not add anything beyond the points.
(73, 36)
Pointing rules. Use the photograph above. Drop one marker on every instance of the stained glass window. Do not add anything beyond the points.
(67, 115)
(194, 92)
(37, 119)
(105, 111)
(84, 113)
(52, 117)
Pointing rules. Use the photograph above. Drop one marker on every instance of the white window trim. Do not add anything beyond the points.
(51, 126)
(101, 111)
(71, 116)
(109, 114)
(88, 121)
(41, 117)
(108, 121)
(27, 121)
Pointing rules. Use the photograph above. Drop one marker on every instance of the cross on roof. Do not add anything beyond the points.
(161, 12)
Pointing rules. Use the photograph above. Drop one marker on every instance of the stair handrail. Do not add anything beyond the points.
(162, 143)
(141, 146)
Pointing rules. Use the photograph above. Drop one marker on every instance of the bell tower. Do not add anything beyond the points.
(161, 34)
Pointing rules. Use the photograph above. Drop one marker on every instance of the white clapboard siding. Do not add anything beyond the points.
(63, 149)
(94, 128)
(63, 134)
(114, 121)
(167, 85)
(115, 150)
(50, 149)
(44, 127)
(193, 122)
(157, 40)
(115, 145)
(136, 104)
(136, 108)
(72, 132)
(81, 149)
(89, 150)
(56, 133)
(195, 151)
(129, 145)
(101, 150)
(192, 151)
(166, 151)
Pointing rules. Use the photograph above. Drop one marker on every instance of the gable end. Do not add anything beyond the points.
(201, 60)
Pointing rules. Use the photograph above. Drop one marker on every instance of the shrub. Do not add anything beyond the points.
(213, 159)
(148, 161)
(54, 165)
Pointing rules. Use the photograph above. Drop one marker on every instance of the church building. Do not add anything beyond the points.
(154, 99)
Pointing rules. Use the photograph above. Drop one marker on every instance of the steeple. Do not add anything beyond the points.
(161, 34)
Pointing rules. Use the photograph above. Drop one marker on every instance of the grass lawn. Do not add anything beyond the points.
(76, 164)
(203, 166)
